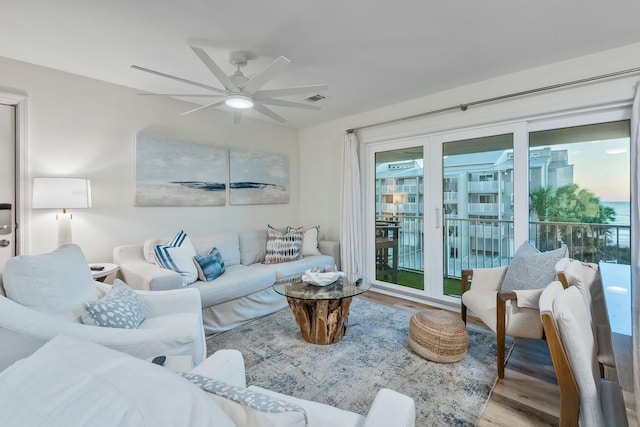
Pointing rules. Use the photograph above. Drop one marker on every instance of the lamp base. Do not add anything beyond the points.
(64, 229)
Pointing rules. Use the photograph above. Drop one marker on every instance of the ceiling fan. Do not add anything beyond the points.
(240, 92)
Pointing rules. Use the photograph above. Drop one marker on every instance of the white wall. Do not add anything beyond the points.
(321, 145)
(86, 128)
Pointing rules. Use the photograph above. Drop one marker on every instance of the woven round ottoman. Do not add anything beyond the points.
(438, 335)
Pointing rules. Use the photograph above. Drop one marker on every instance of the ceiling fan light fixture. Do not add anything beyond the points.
(239, 101)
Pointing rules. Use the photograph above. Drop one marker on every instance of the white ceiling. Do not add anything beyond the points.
(371, 53)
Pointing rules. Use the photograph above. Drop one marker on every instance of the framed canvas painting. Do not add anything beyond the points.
(178, 173)
(257, 178)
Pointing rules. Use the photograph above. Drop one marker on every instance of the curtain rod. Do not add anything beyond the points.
(464, 107)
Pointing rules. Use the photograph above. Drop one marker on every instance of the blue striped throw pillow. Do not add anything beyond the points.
(178, 255)
(209, 266)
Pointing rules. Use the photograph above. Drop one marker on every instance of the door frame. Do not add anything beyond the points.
(19, 101)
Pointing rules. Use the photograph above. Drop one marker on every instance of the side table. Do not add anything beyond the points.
(101, 275)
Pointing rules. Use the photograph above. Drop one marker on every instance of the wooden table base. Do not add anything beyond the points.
(321, 321)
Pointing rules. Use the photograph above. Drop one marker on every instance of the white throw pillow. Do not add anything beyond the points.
(69, 382)
(149, 247)
(55, 283)
(309, 240)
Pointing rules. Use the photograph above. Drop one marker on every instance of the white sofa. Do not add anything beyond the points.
(45, 292)
(71, 382)
(244, 292)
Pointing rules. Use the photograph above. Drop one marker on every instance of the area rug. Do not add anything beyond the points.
(373, 354)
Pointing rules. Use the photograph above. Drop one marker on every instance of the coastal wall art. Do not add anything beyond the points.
(257, 177)
(178, 173)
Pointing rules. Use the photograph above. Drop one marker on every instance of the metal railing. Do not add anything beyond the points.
(482, 243)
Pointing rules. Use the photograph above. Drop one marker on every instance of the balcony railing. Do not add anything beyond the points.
(480, 243)
(484, 186)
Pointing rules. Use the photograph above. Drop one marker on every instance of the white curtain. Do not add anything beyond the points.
(635, 247)
(351, 230)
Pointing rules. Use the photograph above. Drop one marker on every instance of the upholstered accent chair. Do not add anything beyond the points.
(586, 399)
(42, 296)
(587, 279)
(506, 298)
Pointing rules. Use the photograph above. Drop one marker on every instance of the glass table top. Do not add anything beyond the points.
(347, 286)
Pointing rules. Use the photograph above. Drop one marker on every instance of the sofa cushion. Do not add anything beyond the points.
(227, 243)
(236, 282)
(119, 308)
(209, 266)
(55, 283)
(73, 382)
(253, 246)
(532, 269)
(282, 247)
(178, 255)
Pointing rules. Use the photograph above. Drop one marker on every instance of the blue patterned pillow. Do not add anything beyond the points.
(282, 247)
(119, 308)
(258, 401)
(177, 255)
(209, 266)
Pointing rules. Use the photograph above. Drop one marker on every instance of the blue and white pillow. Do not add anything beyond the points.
(119, 308)
(209, 266)
(250, 399)
(177, 255)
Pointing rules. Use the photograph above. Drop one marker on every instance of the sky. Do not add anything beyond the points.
(603, 167)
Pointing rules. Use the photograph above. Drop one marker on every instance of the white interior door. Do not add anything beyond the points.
(7, 184)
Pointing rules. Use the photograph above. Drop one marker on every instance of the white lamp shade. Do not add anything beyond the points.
(61, 193)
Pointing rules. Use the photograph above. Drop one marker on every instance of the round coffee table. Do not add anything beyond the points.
(322, 312)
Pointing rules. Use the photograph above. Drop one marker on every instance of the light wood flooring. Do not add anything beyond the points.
(528, 395)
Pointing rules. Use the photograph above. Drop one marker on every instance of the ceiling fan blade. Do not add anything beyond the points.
(237, 115)
(281, 103)
(213, 104)
(213, 67)
(267, 112)
(179, 79)
(191, 95)
(259, 80)
(270, 93)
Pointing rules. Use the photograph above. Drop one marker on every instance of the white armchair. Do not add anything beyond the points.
(506, 298)
(173, 324)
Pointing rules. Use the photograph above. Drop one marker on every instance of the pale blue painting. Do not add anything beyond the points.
(257, 177)
(178, 173)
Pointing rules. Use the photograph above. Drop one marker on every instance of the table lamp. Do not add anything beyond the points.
(62, 193)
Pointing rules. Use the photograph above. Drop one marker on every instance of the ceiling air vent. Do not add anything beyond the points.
(315, 98)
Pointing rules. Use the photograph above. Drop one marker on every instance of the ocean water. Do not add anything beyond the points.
(623, 212)
(623, 217)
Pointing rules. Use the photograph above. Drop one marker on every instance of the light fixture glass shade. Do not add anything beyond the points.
(62, 193)
(239, 101)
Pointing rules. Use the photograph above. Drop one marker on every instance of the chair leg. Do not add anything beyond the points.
(500, 334)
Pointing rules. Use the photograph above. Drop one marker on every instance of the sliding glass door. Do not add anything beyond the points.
(478, 205)
(468, 199)
(399, 217)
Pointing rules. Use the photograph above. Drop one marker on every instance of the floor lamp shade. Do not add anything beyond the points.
(62, 193)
